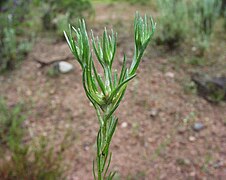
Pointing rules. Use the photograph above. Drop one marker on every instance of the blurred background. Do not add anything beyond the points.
(172, 122)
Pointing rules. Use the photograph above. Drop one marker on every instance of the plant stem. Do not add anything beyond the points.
(103, 142)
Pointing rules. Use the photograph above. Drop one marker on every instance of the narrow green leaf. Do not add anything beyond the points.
(99, 80)
(123, 70)
(68, 42)
(94, 174)
(108, 165)
(115, 91)
(115, 82)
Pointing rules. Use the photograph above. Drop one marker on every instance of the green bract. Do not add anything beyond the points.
(106, 92)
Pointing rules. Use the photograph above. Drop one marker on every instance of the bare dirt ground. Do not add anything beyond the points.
(154, 138)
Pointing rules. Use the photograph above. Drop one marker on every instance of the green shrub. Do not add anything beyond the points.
(10, 125)
(203, 16)
(173, 22)
(74, 8)
(141, 2)
(9, 49)
(58, 12)
(14, 47)
(12, 50)
(19, 160)
(225, 19)
(61, 22)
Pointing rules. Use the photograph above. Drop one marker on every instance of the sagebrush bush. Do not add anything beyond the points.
(11, 120)
(173, 22)
(19, 160)
(12, 49)
(225, 19)
(13, 46)
(58, 12)
(203, 16)
(141, 2)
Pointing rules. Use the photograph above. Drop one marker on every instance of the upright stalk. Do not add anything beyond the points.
(106, 93)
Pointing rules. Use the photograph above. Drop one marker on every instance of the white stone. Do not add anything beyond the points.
(124, 125)
(170, 75)
(65, 67)
(192, 138)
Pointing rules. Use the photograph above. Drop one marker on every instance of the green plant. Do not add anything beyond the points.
(106, 93)
(173, 20)
(138, 176)
(225, 19)
(141, 2)
(12, 50)
(9, 50)
(58, 12)
(14, 47)
(189, 87)
(32, 162)
(203, 15)
(26, 161)
(10, 125)
(61, 22)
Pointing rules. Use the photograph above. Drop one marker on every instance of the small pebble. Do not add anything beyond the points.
(52, 91)
(192, 174)
(64, 67)
(198, 126)
(218, 164)
(192, 138)
(194, 48)
(170, 75)
(124, 124)
(28, 92)
(187, 162)
(154, 112)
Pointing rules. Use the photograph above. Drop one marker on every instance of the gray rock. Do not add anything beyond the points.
(198, 126)
(154, 112)
(218, 164)
(211, 88)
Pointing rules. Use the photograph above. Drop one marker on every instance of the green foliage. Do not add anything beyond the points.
(106, 92)
(141, 2)
(17, 28)
(10, 125)
(203, 15)
(225, 19)
(25, 161)
(15, 9)
(189, 87)
(196, 61)
(173, 22)
(13, 46)
(61, 22)
(12, 50)
(58, 12)
(138, 176)
(53, 71)
(8, 51)
(74, 8)
(216, 93)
